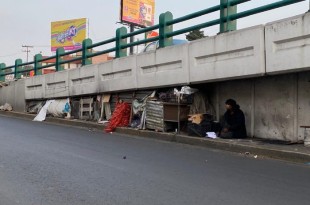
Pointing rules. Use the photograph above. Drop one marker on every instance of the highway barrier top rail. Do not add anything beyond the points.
(227, 22)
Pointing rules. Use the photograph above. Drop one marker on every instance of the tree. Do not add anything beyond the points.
(194, 35)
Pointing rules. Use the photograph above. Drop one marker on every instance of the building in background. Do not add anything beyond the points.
(101, 59)
(74, 64)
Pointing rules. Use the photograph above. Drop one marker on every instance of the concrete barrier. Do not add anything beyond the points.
(14, 94)
(119, 74)
(166, 66)
(35, 87)
(288, 45)
(274, 106)
(236, 54)
(57, 85)
(83, 80)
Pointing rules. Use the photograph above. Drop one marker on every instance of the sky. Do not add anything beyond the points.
(27, 22)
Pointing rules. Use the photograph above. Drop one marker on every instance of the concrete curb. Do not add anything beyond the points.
(220, 144)
(260, 150)
(58, 121)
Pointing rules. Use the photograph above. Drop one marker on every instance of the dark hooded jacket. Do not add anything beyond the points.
(235, 122)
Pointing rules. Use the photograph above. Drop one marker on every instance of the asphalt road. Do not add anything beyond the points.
(56, 165)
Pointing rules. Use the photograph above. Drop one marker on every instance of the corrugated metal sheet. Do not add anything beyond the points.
(128, 96)
(154, 116)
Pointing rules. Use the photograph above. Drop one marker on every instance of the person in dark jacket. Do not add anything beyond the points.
(234, 121)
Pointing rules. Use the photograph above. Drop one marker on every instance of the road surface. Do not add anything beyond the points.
(56, 165)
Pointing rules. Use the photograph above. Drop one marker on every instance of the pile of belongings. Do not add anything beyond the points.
(199, 125)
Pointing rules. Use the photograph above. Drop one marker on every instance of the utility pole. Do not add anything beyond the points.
(27, 50)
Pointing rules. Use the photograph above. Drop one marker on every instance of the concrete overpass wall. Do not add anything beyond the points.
(56, 85)
(226, 56)
(274, 106)
(237, 54)
(14, 94)
(167, 66)
(83, 81)
(35, 87)
(288, 45)
(236, 63)
(119, 74)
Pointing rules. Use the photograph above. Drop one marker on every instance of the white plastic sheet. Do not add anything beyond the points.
(211, 135)
(59, 107)
(54, 107)
(185, 90)
(42, 114)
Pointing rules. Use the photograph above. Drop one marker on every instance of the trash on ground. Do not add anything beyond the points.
(42, 114)
(59, 107)
(211, 135)
(103, 122)
(35, 107)
(6, 107)
(56, 108)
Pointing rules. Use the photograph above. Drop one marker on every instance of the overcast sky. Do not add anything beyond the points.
(27, 22)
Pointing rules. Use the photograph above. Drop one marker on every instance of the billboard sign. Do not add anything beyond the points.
(68, 34)
(138, 12)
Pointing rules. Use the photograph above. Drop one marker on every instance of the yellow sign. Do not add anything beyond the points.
(68, 34)
(138, 12)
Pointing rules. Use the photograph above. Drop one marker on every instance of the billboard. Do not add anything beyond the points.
(138, 12)
(68, 34)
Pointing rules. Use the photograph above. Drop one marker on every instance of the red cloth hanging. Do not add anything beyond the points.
(120, 117)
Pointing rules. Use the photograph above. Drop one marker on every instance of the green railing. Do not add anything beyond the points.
(227, 22)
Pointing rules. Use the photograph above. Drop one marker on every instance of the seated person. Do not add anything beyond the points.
(233, 125)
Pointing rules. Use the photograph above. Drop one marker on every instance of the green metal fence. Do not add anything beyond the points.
(226, 21)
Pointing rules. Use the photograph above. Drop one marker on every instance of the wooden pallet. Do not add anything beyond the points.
(86, 108)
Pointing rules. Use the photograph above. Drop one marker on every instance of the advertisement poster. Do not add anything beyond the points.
(68, 34)
(138, 12)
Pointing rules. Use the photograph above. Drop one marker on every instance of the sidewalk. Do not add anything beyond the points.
(255, 148)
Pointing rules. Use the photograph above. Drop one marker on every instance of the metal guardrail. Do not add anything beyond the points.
(227, 22)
